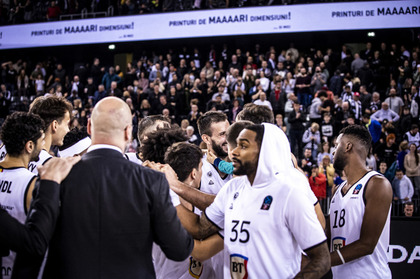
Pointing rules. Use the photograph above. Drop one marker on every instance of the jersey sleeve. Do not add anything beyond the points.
(302, 221)
(174, 198)
(216, 211)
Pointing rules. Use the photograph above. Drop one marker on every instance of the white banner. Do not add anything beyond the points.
(240, 21)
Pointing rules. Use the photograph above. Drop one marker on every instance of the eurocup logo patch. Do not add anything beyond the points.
(338, 243)
(238, 266)
(267, 203)
(357, 189)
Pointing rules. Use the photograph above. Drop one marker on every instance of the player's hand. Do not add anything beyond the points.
(57, 169)
(211, 157)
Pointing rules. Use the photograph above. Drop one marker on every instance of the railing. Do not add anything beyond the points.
(85, 14)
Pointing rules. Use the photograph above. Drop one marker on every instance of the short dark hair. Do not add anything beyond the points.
(399, 170)
(148, 122)
(18, 129)
(259, 130)
(154, 147)
(51, 108)
(183, 158)
(256, 114)
(359, 132)
(73, 136)
(322, 93)
(235, 129)
(210, 117)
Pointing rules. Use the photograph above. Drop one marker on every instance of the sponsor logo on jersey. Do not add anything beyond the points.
(338, 243)
(267, 203)
(357, 189)
(211, 182)
(196, 268)
(238, 266)
(236, 195)
(209, 174)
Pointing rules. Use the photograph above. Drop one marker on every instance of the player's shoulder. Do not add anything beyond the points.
(378, 187)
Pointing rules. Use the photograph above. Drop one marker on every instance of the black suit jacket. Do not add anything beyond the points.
(31, 240)
(112, 210)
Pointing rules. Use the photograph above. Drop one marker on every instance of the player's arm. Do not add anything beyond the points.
(192, 195)
(378, 197)
(320, 215)
(319, 262)
(207, 248)
(198, 227)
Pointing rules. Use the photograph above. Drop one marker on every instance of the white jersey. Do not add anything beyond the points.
(413, 139)
(265, 227)
(187, 269)
(346, 217)
(3, 152)
(133, 157)
(14, 184)
(211, 182)
(44, 156)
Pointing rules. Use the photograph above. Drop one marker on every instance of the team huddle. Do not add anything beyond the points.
(240, 209)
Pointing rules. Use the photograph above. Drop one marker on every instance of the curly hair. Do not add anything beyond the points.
(51, 108)
(150, 123)
(154, 147)
(183, 158)
(360, 133)
(18, 129)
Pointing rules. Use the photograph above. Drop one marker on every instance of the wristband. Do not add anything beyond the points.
(217, 162)
(341, 256)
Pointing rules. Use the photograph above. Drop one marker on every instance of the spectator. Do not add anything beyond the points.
(402, 187)
(109, 77)
(403, 151)
(385, 113)
(53, 12)
(262, 101)
(318, 182)
(296, 120)
(325, 152)
(318, 79)
(387, 151)
(315, 109)
(412, 166)
(395, 103)
(409, 209)
(312, 138)
(327, 168)
(413, 136)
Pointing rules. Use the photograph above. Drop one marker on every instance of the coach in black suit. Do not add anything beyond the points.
(112, 210)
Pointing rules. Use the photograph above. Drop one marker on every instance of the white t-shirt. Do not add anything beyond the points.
(133, 157)
(346, 217)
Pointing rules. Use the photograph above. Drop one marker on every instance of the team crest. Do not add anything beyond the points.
(236, 195)
(209, 174)
(357, 189)
(196, 268)
(267, 203)
(211, 182)
(338, 243)
(238, 266)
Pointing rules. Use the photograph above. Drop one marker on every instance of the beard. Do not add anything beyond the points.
(218, 150)
(339, 162)
(243, 168)
(35, 155)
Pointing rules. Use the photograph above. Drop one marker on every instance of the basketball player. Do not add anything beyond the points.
(360, 209)
(145, 126)
(55, 111)
(23, 137)
(76, 142)
(258, 208)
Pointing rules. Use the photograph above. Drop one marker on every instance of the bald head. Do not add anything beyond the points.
(109, 121)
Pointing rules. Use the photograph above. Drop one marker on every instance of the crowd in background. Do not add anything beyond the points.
(312, 95)
(26, 11)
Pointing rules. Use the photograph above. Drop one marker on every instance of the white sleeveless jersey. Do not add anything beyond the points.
(44, 156)
(413, 139)
(14, 184)
(211, 182)
(3, 152)
(265, 228)
(346, 217)
(133, 157)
